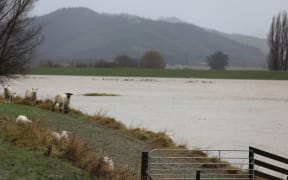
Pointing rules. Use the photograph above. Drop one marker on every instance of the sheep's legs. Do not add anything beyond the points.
(53, 105)
(66, 108)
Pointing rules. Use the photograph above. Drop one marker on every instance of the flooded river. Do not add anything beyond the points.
(202, 113)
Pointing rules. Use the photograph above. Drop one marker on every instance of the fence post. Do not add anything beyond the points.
(144, 166)
(198, 175)
(251, 164)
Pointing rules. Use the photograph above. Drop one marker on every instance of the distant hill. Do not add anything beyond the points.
(248, 40)
(81, 33)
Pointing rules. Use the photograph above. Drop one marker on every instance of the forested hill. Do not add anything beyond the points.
(81, 33)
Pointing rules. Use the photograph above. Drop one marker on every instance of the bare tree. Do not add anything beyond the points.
(19, 35)
(152, 59)
(278, 42)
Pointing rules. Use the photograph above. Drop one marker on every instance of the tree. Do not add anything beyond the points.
(152, 59)
(19, 36)
(218, 60)
(278, 43)
(125, 61)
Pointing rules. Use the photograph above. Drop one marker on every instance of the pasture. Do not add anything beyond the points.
(171, 73)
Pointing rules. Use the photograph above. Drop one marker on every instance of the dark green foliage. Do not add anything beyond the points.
(218, 60)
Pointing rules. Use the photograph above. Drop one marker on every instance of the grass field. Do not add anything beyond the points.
(183, 73)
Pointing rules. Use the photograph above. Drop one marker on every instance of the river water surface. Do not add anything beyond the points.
(202, 113)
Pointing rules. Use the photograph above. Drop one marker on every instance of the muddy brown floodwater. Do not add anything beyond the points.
(203, 113)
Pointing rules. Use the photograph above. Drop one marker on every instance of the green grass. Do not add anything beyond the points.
(99, 94)
(19, 163)
(122, 144)
(183, 73)
(124, 149)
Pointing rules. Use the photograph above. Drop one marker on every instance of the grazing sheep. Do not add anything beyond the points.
(56, 135)
(62, 100)
(109, 162)
(31, 95)
(23, 119)
(64, 135)
(8, 94)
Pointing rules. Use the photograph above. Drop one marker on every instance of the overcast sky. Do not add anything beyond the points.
(250, 17)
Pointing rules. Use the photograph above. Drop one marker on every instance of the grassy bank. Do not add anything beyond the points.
(22, 146)
(102, 136)
(19, 163)
(183, 73)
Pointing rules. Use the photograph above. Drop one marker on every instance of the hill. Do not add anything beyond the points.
(255, 42)
(80, 33)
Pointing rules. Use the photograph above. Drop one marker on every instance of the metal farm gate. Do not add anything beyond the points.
(175, 164)
(183, 164)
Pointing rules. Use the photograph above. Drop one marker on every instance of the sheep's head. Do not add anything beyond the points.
(108, 161)
(6, 87)
(34, 92)
(68, 95)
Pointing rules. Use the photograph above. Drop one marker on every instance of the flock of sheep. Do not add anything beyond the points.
(63, 100)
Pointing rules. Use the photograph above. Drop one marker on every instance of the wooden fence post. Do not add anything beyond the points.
(144, 166)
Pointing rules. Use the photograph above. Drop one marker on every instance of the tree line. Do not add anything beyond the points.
(150, 59)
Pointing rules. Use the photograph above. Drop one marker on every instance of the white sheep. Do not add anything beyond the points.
(31, 95)
(56, 135)
(23, 119)
(62, 100)
(8, 94)
(64, 135)
(109, 162)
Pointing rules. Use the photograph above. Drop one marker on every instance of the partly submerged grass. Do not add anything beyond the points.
(100, 94)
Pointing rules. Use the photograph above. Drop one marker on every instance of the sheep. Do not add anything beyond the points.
(23, 119)
(63, 135)
(56, 135)
(31, 95)
(8, 94)
(62, 100)
(109, 162)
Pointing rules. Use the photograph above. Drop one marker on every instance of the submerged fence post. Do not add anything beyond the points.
(198, 175)
(144, 166)
(251, 164)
